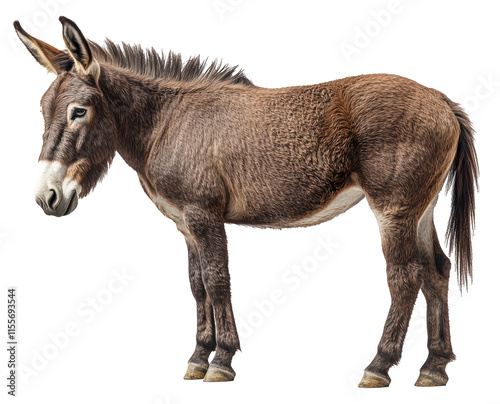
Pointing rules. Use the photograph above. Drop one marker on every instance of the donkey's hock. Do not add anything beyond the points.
(55, 192)
(211, 148)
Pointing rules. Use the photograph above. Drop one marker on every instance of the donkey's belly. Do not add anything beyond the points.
(343, 201)
(338, 205)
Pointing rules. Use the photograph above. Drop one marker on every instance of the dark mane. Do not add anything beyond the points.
(150, 63)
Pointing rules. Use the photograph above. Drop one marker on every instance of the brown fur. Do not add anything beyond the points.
(211, 148)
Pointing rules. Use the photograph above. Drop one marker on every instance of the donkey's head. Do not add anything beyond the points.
(79, 139)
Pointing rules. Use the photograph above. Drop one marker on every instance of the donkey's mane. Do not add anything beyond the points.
(148, 62)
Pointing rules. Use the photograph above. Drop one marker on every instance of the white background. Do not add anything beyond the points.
(314, 343)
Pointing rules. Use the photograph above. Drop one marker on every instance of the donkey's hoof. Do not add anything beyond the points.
(428, 379)
(371, 380)
(195, 371)
(215, 374)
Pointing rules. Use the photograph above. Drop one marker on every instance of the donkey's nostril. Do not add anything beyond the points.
(52, 199)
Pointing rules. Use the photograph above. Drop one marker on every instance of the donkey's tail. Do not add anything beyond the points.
(462, 179)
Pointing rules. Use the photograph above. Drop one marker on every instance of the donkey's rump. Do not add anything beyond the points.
(406, 140)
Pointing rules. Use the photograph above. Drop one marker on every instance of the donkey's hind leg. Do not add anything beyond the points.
(435, 290)
(404, 277)
(205, 333)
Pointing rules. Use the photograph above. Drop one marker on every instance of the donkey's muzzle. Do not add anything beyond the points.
(56, 194)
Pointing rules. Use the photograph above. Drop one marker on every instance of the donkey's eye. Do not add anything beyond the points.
(78, 113)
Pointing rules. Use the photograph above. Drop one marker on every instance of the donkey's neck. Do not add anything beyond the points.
(136, 103)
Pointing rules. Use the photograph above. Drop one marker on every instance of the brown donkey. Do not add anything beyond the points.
(212, 148)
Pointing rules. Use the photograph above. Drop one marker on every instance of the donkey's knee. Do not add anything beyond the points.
(217, 284)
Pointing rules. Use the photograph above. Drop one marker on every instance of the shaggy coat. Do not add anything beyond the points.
(211, 148)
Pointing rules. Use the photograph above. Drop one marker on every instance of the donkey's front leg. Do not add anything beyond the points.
(207, 231)
(205, 333)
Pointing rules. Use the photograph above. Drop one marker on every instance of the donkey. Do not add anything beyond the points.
(210, 148)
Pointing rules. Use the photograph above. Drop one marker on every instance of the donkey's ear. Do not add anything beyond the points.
(54, 60)
(79, 49)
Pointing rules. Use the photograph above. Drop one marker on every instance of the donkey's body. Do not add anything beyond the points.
(302, 155)
(211, 148)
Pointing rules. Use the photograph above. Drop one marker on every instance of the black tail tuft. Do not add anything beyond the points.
(463, 179)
